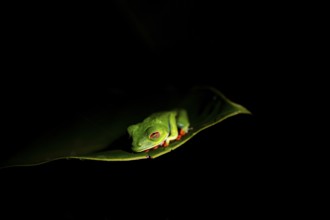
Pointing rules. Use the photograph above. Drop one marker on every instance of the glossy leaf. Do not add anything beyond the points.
(103, 136)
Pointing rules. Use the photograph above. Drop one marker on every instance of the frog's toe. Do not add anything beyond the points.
(182, 132)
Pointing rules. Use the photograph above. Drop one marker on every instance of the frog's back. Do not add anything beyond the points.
(159, 117)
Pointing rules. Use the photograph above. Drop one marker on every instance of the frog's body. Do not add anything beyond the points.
(159, 129)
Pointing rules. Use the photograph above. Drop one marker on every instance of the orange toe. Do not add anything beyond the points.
(182, 132)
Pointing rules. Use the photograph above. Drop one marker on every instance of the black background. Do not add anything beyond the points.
(56, 53)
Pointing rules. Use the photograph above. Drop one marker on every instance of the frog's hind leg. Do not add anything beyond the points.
(183, 120)
(183, 123)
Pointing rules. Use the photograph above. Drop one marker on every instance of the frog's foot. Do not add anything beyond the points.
(154, 148)
(181, 133)
(164, 144)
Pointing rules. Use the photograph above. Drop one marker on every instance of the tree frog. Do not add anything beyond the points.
(159, 129)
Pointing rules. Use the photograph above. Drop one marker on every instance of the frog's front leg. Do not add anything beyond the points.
(173, 129)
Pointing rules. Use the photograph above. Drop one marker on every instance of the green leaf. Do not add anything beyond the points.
(102, 135)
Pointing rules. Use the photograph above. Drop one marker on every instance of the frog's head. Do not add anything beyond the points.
(147, 137)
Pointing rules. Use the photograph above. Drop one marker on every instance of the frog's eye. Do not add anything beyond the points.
(154, 135)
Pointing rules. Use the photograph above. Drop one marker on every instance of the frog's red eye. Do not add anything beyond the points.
(154, 135)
